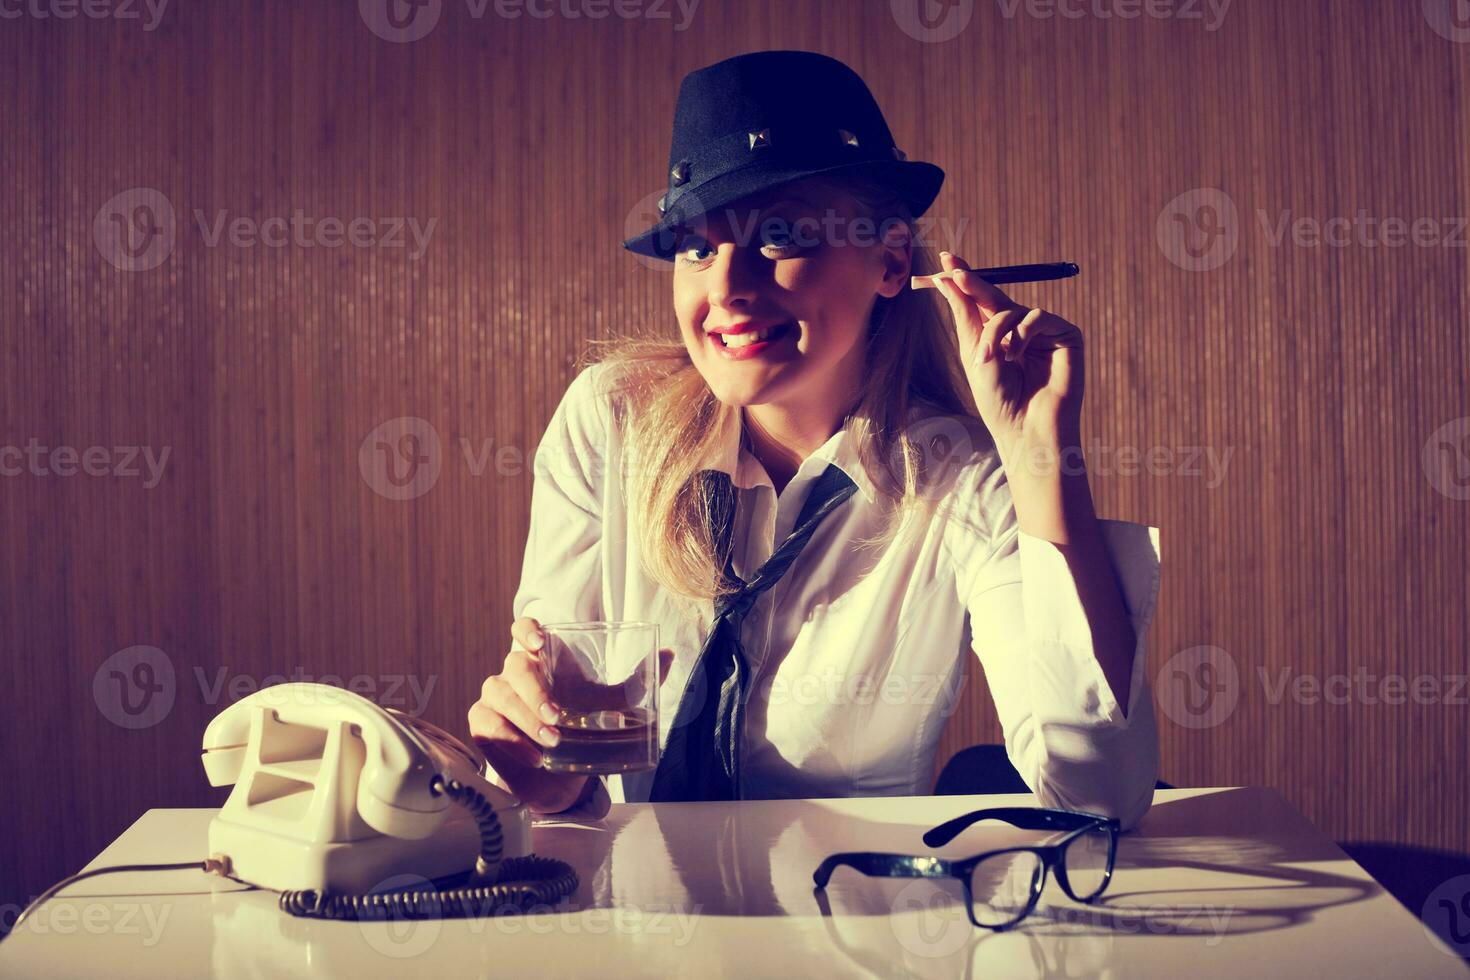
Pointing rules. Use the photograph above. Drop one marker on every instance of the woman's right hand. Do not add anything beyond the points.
(515, 717)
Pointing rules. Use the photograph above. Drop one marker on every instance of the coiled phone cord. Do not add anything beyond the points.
(520, 883)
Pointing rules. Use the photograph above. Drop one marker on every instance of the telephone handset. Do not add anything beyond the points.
(335, 795)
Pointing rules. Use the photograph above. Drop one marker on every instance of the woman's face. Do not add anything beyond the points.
(801, 259)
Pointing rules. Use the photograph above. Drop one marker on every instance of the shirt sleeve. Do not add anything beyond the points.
(1064, 730)
(561, 571)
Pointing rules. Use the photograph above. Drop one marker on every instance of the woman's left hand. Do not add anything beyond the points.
(1024, 365)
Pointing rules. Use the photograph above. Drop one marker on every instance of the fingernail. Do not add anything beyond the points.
(986, 355)
(550, 713)
(943, 254)
(535, 640)
(549, 735)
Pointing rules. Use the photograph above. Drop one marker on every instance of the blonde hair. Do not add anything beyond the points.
(675, 420)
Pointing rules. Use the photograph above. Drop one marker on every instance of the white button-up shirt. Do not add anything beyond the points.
(856, 655)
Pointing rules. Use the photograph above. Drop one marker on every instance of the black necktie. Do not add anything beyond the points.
(701, 757)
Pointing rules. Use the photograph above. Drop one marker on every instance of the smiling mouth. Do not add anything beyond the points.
(739, 341)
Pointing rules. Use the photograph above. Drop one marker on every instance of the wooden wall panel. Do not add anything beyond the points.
(1323, 372)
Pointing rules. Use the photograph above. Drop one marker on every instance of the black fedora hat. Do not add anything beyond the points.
(760, 119)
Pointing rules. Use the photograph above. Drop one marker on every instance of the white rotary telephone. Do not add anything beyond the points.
(335, 795)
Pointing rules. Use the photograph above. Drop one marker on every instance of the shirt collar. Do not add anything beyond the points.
(746, 471)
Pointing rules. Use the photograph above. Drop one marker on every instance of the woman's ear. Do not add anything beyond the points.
(898, 256)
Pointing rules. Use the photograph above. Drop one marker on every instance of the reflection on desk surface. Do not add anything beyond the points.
(1228, 882)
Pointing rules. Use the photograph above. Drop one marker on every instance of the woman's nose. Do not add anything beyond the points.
(732, 277)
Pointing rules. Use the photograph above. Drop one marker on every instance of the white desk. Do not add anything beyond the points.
(1214, 883)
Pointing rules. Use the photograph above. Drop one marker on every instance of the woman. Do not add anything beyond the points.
(817, 520)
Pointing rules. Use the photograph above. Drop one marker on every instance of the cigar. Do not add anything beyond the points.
(1006, 274)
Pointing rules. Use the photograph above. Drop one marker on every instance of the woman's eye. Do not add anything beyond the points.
(693, 245)
(779, 237)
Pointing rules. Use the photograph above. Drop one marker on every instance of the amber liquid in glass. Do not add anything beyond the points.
(605, 741)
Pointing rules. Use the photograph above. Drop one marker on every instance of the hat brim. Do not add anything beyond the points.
(915, 181)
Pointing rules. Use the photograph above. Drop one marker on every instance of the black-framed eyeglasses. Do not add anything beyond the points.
(1002, 886)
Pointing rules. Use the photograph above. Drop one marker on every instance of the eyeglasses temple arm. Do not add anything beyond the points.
(879, 865)
(1026, 818)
